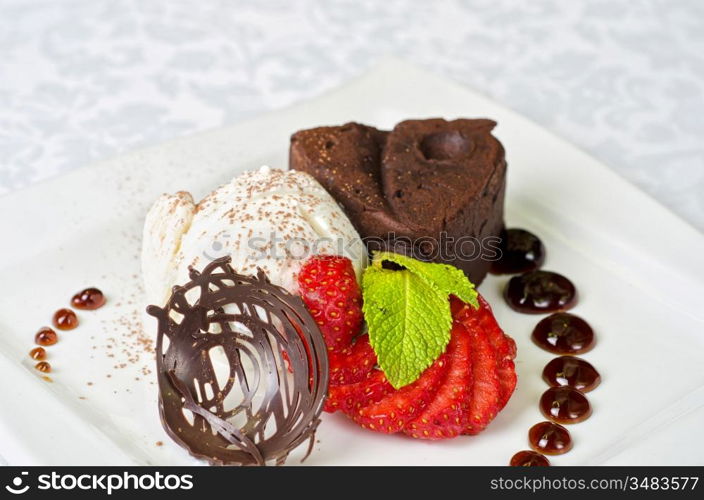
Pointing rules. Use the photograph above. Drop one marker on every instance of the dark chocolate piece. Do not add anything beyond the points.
(432, 189)
(257, 412)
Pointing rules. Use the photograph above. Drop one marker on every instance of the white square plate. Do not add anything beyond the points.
(638, 268)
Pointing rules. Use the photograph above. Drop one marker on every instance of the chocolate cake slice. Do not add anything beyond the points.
(432, 189)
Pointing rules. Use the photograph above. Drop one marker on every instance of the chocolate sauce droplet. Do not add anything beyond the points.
(572, 372)
(564, 333)
(539, 292)
(65, 319)
(521, 251)
(88, 299)
(565, 405)
(43, 367)
(46, 336)
(38, 354)
(550, 438)
(528, 458)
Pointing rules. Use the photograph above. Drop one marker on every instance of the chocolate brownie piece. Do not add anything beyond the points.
(433, 189)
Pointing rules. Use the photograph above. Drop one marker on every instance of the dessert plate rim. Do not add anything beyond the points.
(675, 264)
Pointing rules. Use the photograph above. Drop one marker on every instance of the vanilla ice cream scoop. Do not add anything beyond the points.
(268, 219)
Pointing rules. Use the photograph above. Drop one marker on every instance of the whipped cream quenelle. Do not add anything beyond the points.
(266, 218)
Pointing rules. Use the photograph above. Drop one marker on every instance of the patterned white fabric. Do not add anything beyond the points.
(81, 80)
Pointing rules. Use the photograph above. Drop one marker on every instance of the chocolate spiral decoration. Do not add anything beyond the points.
(254, 411)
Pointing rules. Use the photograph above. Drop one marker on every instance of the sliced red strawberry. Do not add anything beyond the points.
(507, 380)
(486, 390)
(392, 413)
(503, 345)
(505, 349)
(352, 364)
(329, 289)
(461, 392)
(447, 416)
(351, 398)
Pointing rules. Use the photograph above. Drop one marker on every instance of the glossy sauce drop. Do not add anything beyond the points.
(88, 299)
(549, 438)
(539, 292)
(38, 354)
(65, 319)
(564, 333)
(46, 336)
(521, 251)
(528, 458)
(43, 367)
(571, 372)
(565, 405)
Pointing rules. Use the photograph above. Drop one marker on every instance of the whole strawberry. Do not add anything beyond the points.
(329, 289)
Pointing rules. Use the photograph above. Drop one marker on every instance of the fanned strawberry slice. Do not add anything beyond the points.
(447, 416)
(351, 398)
(503, 345)
(352, 364)
(507, 381)
(486, 390)
(392, 413)
(505, 348)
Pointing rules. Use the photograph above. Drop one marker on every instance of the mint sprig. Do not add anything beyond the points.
(408, 313)
(445, 278)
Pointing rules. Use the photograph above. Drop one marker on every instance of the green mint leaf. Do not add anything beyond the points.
(443, 277)
(409, 322)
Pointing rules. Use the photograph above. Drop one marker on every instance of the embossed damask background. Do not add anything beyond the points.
(81, 80)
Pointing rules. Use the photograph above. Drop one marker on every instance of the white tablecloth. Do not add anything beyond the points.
(81, 80)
